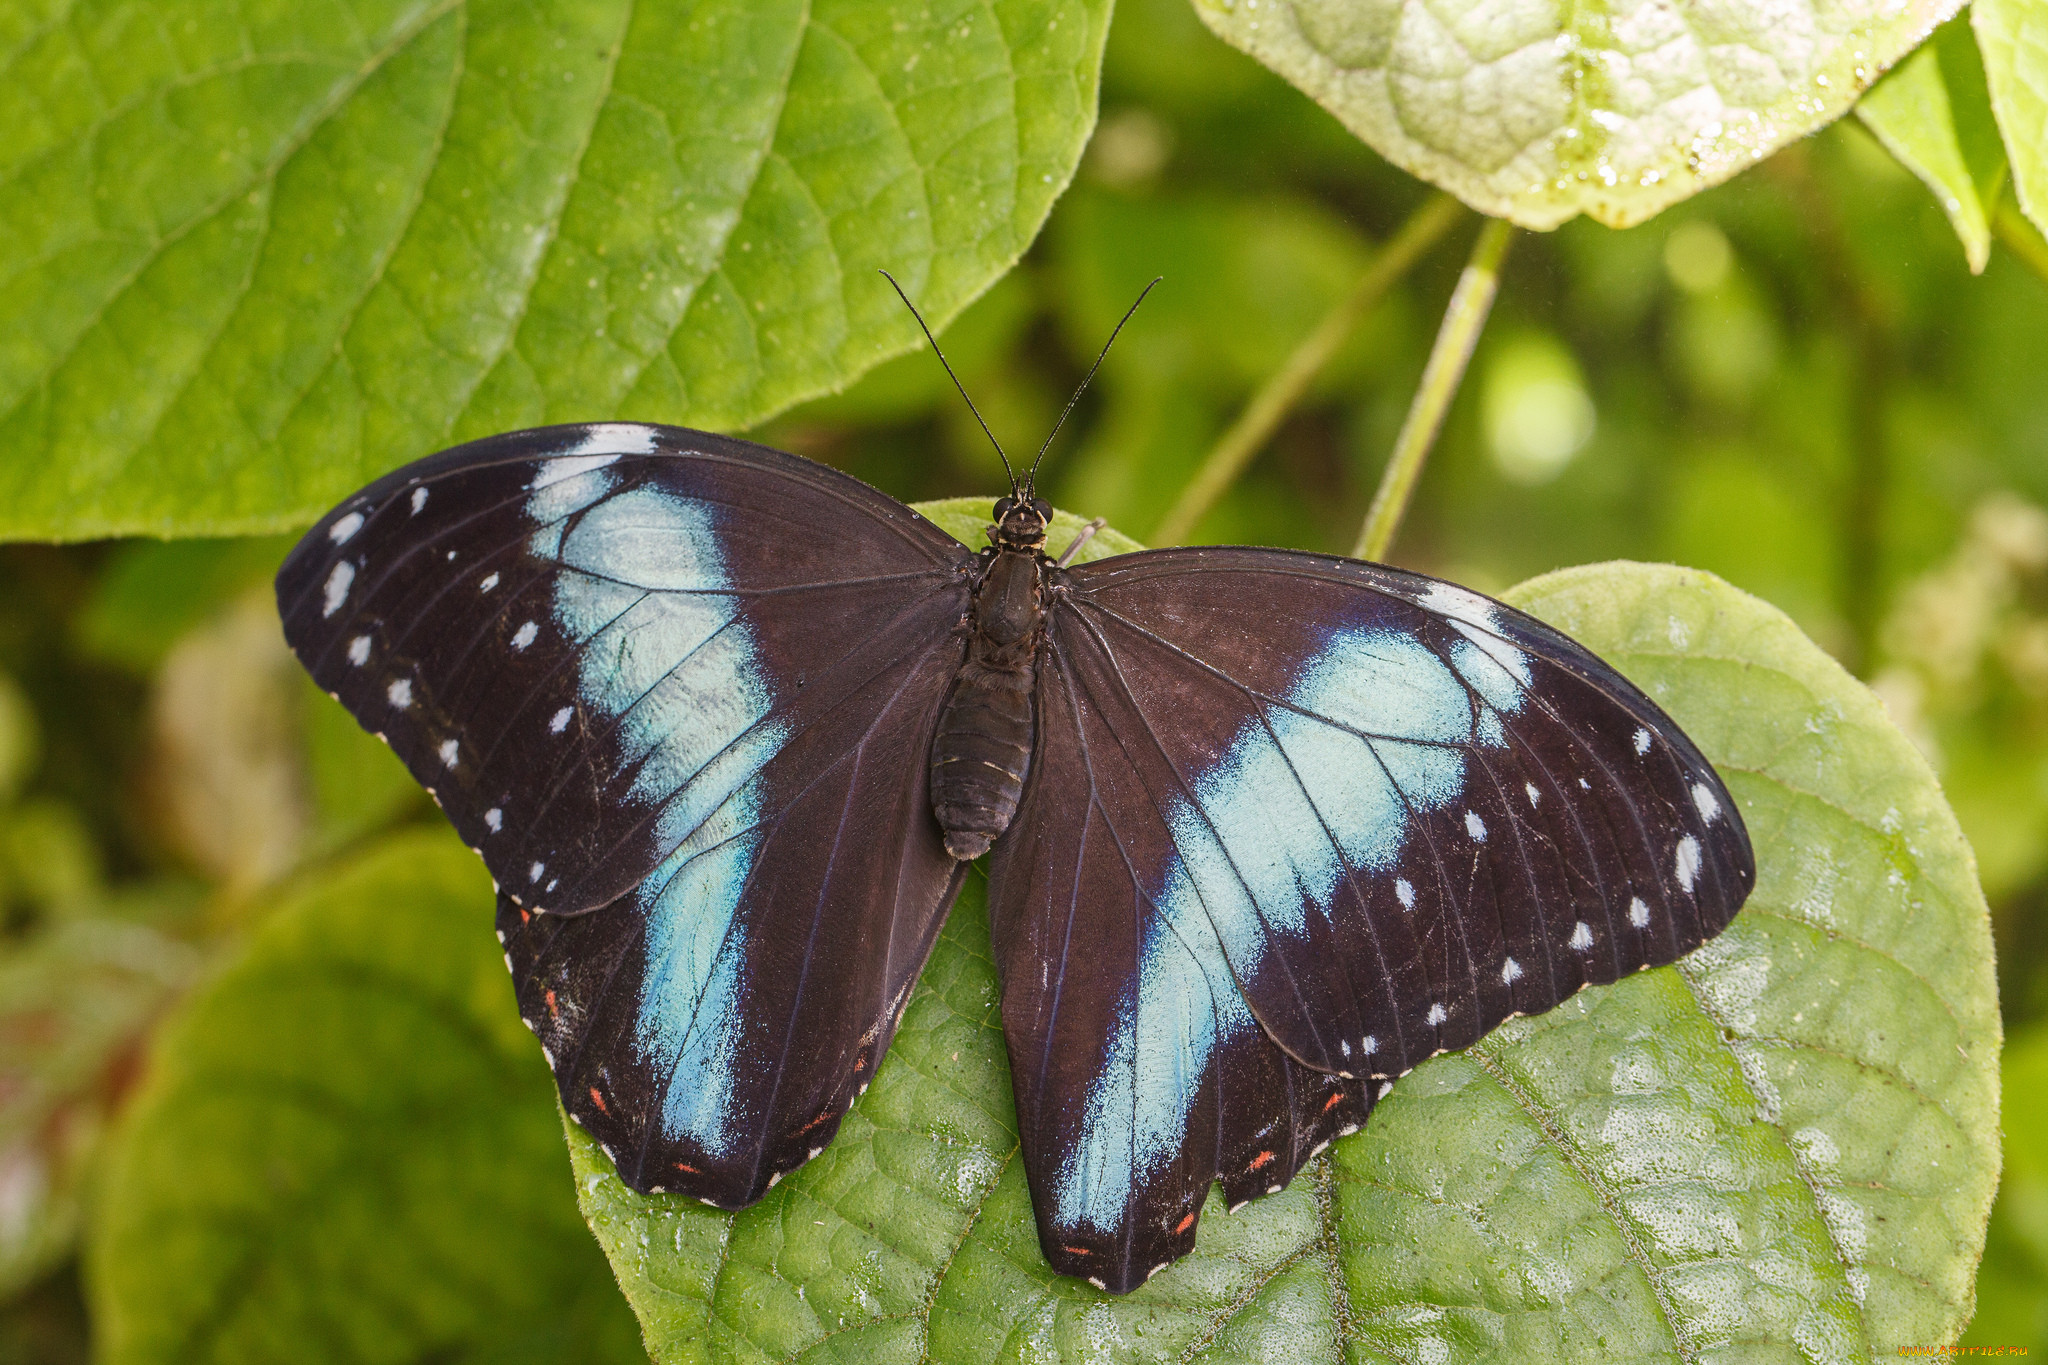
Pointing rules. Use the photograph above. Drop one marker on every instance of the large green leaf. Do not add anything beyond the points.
(251, 256)
(1536, 113)
(344, 1151)
(1783, 1149)
(2013, 35)
(1933, 112)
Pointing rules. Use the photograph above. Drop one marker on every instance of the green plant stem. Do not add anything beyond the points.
(2020, 238)
(1271, 404)
(1471, 301)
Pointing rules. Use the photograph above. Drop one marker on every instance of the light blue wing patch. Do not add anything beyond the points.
(1377, 725)
(668, 661)
(1170, 1022)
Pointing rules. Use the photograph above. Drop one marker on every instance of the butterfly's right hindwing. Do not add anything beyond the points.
(678, 691)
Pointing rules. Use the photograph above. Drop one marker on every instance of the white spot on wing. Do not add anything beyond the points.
(533, 873)
(1703, 797)
(419, 500)
(400, 692)
(1582, 936)
(1369, 1045)
(1638, 913)
(523, 637)
(359, 650)
(601, 446)
(1534, 795)
(344, 528)
(1404, 891)
(559, 721)
(1462, 604)
(495, 818)
(1345, 1045)
(489, 582)
(338, 580)
(1510, 972)
(1437, 1014)
(449, 749)
(1642, 740)
(568, 467)
(1475, 826)
(1687, 861)
(615, 439)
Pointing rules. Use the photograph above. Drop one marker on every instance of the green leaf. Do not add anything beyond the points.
(967, 521)
(1537, 113)
(250, 259)
(1933, 112)
(2013, 36)
(344, 1149)
(1786, 1147)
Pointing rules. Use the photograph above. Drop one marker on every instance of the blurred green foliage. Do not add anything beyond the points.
(1793, 381)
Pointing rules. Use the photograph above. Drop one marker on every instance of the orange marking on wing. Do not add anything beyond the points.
(1185, 1224)
(686, 1166)
(1261, 1159)
(814, 1123)
(553, 1013)
(1076, 1251)
(598, 1100)
(1328, 1105)
(525, 918)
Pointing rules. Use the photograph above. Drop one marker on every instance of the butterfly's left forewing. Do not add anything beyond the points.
(678, 691)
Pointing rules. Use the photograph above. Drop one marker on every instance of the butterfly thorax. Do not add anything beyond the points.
(982, 751)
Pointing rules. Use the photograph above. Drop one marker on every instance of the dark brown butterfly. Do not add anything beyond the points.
(1268, 828)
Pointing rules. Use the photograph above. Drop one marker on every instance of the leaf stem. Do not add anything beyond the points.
(1278, 395)
(1471, 301)
(2019, 236)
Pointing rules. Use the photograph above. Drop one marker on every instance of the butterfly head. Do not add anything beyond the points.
(1020, 522)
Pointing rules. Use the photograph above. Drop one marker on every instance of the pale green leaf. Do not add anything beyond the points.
(344, 1150)
(1536, 113)
(2013, 36)
(1784, 1149)
(251, 258)
(1933, 112)
(967, 520)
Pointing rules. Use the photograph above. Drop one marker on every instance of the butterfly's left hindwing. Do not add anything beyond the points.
(1343, 814)
(678, 691)
(1140, 1074)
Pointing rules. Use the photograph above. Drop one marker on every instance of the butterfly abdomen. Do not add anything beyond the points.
(982, 751)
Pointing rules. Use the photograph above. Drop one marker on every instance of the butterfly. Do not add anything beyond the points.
(1265, 829)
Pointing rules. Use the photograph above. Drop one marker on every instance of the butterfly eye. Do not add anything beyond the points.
(1043, 508)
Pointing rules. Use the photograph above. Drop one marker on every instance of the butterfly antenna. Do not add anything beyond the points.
(1033, 475)
(954, 377)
